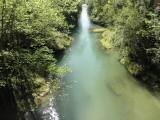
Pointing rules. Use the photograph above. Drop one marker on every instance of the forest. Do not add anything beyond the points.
(30, 35)
(34, 33)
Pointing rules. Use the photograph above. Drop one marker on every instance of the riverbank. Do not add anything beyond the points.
(30, 36)
(133, 31)
(107, 43)
(107, 36)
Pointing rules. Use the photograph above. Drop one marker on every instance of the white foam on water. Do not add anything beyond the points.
(49, 113)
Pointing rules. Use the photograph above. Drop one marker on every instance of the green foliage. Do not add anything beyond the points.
(135, 32)
(107, 38)
(31, 32)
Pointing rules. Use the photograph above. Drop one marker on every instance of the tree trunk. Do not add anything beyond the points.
(12, 41)
(3, 25)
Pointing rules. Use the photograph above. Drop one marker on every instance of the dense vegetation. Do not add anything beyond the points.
(134, 30)
(31, 32)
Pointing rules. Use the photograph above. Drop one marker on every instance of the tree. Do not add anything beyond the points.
(30, 34)
(135, 33)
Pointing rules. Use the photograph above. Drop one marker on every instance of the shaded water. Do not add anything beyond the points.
(99, 87)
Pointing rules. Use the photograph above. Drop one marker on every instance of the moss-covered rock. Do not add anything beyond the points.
(42, 93)
(106, 40)
(98, 30)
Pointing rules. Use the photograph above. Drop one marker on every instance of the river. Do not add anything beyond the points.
(99, 87)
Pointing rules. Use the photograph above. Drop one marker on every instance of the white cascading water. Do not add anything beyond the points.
(84, 24)
(44, 113)
(84, 19)
(49, 113)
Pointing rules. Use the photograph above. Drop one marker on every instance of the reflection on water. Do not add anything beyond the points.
(100, 88)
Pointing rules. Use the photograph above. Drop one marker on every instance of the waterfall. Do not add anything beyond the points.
(84, 19)
(84, 26)
(50, 113)
(44, 113)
